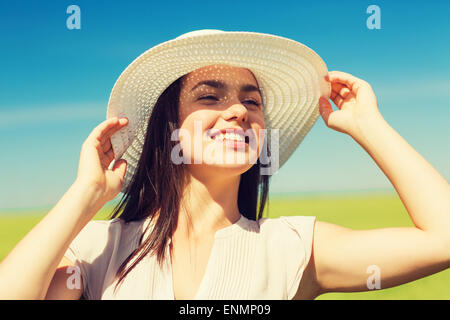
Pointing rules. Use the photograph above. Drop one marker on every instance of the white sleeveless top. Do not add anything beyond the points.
(249, 260)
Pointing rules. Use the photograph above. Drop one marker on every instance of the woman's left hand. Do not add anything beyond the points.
(355, 100)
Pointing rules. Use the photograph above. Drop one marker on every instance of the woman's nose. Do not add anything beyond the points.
(236, 110)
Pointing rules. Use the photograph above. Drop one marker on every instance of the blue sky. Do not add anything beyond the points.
(55, 83)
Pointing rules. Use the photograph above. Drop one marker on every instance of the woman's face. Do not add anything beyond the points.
(220, 112)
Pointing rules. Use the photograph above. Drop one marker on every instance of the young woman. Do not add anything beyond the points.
(194, 229)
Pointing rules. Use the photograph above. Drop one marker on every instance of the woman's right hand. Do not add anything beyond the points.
(96, 156)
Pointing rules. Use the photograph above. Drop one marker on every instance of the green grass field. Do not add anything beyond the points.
(352, 211)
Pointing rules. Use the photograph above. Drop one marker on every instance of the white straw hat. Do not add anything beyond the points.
(289, 74)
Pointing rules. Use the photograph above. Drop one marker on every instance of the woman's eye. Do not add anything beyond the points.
(253, 102)
(211, 97)
(208, 97)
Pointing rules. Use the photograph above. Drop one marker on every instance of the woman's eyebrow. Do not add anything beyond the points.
(249, 88)
(220, 85)
(211, 83)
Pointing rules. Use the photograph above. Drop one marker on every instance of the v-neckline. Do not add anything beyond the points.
(219, 234)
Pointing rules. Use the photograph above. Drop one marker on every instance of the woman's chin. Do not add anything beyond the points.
(224, 168)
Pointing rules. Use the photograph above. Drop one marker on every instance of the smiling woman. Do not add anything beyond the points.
(194, 229)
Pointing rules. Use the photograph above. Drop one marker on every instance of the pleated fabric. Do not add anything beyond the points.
(249, 260)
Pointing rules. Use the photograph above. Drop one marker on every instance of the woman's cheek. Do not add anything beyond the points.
(193, 140)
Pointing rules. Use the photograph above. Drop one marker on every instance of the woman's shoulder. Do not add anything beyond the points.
(100, 235)
(282, 223)
(98, 230)
(288, 231)
(111, 225)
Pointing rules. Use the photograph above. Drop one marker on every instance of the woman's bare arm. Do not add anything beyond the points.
(28, 270)
(63, 285)
(343, 256)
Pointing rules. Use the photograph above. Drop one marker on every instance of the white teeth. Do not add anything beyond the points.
(229, 136)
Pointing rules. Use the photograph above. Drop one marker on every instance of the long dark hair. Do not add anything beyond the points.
(157, 185)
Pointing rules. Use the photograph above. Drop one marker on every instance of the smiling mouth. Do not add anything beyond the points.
(230, 138)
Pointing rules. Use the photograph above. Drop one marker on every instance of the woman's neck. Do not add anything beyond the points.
(207, 206)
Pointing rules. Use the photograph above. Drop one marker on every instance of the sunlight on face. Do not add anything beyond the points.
(219, 97)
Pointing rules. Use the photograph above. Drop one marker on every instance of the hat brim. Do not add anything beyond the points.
(290, 76)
